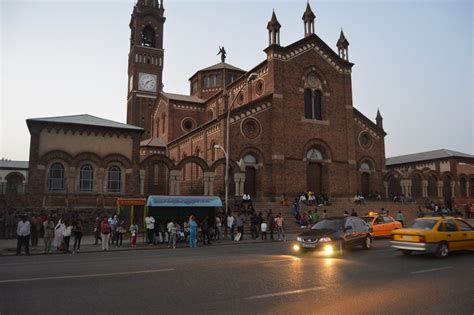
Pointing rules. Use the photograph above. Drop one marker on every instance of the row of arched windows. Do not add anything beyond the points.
(56, 178)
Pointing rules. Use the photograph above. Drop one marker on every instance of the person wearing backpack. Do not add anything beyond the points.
(105, 233)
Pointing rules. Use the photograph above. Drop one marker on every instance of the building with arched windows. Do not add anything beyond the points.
(292, 128)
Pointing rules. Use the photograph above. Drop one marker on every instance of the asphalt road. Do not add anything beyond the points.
(237, 279)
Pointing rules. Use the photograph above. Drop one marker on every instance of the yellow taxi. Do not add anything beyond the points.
(438, 235)
(382, 225)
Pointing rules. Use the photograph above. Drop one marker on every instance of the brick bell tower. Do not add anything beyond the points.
(145, 63)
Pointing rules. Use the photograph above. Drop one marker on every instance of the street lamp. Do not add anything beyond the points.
(250, 78)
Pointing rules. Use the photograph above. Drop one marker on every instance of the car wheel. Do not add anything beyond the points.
(368, 242)
(406, 252)
(442, 251)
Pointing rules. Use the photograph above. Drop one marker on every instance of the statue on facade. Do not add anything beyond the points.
(223, 53)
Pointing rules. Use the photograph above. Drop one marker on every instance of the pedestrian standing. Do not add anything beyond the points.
(67, 235)
(240, 226)
(121, 230)
(279, 224)
(97, 233)
(172, 232)
(230, 225)
(113, 221)
(134, 234)
(192, 232)
(353, 213)
(78, 231)
(105, 231)
(58, 234)
(35, 225)
(271, 223)
(23, 234)
(150, 228)
(205, 232)
(48, 226)
(315, 216)
(400, 218)
(263, 228)
(218, 228)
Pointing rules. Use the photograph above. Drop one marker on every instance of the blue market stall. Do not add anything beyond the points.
(179, 208)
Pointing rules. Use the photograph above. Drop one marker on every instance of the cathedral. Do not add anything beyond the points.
(288, 124)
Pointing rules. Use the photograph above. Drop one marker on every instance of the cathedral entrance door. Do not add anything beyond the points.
(314, 178)
(365, 184)
(250, 185)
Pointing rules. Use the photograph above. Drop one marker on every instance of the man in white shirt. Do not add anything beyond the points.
(230, 225)
(150, 228)
(23, 231)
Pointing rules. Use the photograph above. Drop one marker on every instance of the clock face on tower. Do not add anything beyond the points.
(147, 82)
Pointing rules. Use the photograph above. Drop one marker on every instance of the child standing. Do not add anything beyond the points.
(134, 232)
(263, 228)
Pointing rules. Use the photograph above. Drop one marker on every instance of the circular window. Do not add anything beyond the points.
(187, 124)
(260, 87)
(313, 81)
(365, 140)
(251, 128)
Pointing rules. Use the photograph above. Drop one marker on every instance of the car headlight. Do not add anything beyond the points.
(324, 239)
(299, 239)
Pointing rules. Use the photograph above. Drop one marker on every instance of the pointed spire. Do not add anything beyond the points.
(379, 119)
(162, 7)
(342, 42)
(308, 15)
(273, 24)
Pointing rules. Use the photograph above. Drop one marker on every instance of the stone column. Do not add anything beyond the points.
(424, 185)
(440, 189)
(453, 185)
(179, 178)
(206, 177)
(405, 184)
(142, 182)
(385, 185)
(174, 183)
(239, 180)
(211, 183)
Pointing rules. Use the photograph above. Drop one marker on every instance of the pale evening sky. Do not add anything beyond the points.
(413, 60)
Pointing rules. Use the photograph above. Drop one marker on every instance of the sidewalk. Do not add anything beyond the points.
(8, 246)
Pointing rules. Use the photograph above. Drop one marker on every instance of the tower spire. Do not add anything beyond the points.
(343, 46)
(308, 20)
(379, 119)
(273, 28)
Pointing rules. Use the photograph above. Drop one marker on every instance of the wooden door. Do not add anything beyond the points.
(250, 185)
(314, 177)
(365, 184)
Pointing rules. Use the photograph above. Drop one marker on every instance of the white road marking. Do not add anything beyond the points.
(431, 270)
(88, 276)
(264, 296)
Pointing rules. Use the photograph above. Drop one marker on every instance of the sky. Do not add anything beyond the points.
(413, 59)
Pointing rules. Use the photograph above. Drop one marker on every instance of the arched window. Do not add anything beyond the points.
(463, 187)
(114, 181)
(14, 183)
(213, 151)
(163, 123)
(250, 159)
(312, 104)
(365, 167)
(56, 177)
(86, 179)
(148, 37)
(432, 186)
(314, 155)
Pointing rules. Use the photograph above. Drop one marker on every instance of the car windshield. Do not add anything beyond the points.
(333, 224)
(367, 219)
(423, 224)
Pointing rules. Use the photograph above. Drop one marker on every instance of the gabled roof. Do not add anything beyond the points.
(183, 98)
(85, 120)
(14, 164)
(219, 66)
(425, 156)
(153, 142)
